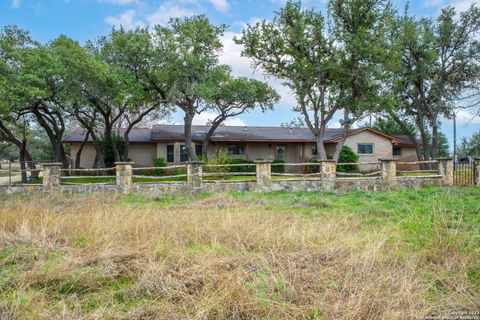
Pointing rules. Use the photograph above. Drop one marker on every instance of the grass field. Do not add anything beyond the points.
(385, 255)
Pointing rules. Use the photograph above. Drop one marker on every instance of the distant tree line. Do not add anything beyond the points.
(361, 58)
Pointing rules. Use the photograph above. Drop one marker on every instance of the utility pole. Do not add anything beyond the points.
(454, 138)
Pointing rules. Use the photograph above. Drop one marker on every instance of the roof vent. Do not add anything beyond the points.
(290, 130)
(245, 128)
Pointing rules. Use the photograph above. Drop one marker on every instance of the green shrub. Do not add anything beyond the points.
(313, 168)
(239, 168)
(347, 155)
(278, 168)
(159, 162)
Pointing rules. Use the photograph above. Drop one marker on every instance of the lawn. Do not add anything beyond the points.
(386, 255)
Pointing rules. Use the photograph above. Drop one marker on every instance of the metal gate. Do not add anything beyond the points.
(464, 174)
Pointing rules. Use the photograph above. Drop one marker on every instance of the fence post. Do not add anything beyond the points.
(476, 162)
(194, 175)
(264, 173)
(445, 169)
(51, 175)
(123, 176)
(328, 173)
(388, 168)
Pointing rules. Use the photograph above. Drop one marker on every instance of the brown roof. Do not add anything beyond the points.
(166, 133)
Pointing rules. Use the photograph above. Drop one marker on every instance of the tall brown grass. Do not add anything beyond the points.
(215, 257)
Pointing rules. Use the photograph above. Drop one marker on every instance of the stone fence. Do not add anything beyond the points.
(325, 179)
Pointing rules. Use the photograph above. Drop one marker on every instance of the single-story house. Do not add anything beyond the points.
(293, 145)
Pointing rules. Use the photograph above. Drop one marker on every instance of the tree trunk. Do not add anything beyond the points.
(208, 135)
(78, 156)
(321, 152)
(434, 140)
(23, 167)
(188, 136)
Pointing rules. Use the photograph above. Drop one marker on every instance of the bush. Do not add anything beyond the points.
(313, 168)
(347, 155)
(239, 168)
(278, 169)
(159, 162)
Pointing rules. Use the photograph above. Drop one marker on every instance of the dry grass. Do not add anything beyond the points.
(223, 256)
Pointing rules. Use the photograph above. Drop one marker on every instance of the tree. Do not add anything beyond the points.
(359, 31)
(14, 127)
(294, 48)
(437, 63)
(470, 146)
(391, 127)
(187, 57)
(230, 97)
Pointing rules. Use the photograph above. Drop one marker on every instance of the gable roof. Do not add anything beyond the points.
(173, 133)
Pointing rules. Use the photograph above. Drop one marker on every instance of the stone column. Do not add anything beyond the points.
(51, 175)
(124, 176)
(477, 171)
(194, 175)
(264, 173)
(445, 169)
(328, 168)
(388, 168)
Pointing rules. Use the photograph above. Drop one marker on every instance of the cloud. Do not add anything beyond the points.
(204, 117)
(15, 4)
(166, 11)
(466, 116)
(220, 5)
(126, 20)
(120, 2)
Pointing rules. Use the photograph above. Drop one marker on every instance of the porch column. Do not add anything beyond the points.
(194, 175)
(264, 173)
(388, 168)
(51, 175)
(477, 171)
(445, 169)
(123, 178)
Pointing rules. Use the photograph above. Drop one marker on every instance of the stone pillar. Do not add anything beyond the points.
(388, 168)
(445, 169)
(264, 173)
(477, 171)
(194, 175)
(328, 168)
(124, 175)
(51, 175)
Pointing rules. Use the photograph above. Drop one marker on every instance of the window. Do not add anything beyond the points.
(314, 150)
(170, 153)
(236, 150)
(198, 150)
(183, 153)
(280, 153)
(365, 148)
(397, 151)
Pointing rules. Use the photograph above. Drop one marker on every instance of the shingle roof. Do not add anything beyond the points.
(404, 139)
(135, 135)
(167, 133)
(240, 133)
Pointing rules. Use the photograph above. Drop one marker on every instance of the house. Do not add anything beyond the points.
(293, 145)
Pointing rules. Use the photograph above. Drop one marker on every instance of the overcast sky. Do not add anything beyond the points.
(86, 19)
